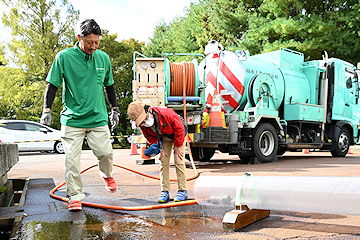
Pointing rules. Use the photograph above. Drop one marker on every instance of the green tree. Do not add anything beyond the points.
(40, 29)
(2, 55)
(203, 21)
(19, 98)
(265, 25)
(162, 41)
(306, 26)
(221, 20)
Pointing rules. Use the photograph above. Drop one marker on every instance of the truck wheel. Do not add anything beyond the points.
(58, 147)
(342, 143)
(265, 143)
(202, 154)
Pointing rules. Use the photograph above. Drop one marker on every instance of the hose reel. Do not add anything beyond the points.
(175, 75)
(264, 87)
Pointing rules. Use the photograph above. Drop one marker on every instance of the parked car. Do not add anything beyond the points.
(31, 136)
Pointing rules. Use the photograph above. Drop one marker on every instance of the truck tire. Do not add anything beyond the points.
(265, 145)
(202, 154)
(342, 143)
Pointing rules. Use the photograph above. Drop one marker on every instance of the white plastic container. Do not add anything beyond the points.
(332, 195)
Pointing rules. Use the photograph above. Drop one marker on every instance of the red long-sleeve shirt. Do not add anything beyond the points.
(170, 125)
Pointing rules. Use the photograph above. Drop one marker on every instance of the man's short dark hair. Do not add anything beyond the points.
(89, 26)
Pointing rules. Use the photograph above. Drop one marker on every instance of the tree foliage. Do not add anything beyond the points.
(204, 21)
(19, 98)
(2, 56)
(40, 28)
(306, 26)
(39, 33)
(265, 25)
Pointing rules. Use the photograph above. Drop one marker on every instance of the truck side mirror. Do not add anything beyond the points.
(357, 70)
(348, 83)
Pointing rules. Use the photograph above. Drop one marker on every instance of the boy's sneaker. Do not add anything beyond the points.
(181, 196)
(75, 206)
(164, 197)
(110, 184)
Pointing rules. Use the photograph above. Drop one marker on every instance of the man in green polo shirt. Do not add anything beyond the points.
(83, 71)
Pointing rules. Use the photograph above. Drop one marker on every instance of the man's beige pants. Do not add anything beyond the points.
(165, 167)
(98, 139)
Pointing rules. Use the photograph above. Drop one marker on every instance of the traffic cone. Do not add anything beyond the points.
(133, 146)
(217, 117)
(142, 152)
(349, 152)
(305, 151)
(143, 158)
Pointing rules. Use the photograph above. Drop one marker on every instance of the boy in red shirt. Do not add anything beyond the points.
(165, 130)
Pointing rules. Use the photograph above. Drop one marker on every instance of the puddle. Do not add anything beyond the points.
(125, 227)
(165, 225)
(56, 222)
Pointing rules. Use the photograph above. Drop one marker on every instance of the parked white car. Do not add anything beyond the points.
(31, 136)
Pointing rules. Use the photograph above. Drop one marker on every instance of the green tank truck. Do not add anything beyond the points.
(256, 107)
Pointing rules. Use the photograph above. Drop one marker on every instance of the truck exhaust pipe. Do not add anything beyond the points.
(324, 92)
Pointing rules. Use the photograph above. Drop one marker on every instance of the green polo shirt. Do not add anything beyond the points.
(83, 77)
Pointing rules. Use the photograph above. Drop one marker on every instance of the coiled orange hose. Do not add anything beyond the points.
(177, 79)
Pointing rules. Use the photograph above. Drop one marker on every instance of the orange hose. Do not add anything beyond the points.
(126, 208)
(178, 76)
(157, 178)
(183, 75)
(135, 208)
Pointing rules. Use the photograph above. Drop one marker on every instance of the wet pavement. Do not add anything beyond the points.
(46, 218)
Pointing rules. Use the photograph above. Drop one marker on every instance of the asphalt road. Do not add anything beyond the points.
(47, 218)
